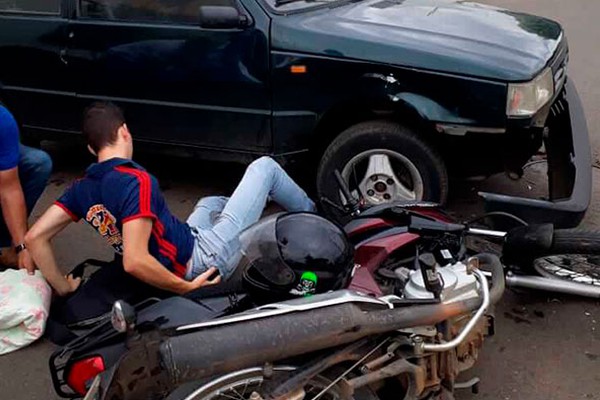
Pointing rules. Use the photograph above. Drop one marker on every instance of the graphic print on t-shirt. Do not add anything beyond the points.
(106, 224)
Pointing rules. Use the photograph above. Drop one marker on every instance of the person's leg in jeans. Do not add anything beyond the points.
(35, 167)
(207, 212)
(264, 178)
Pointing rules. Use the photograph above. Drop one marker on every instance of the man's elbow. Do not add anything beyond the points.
(132, 264)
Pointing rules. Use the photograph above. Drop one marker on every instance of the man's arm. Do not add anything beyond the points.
(14, 212)
(138, 262)
(38, 241)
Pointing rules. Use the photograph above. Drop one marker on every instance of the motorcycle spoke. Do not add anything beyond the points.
(245, 387)
(239, 395)
(227, 396)
(573, 267)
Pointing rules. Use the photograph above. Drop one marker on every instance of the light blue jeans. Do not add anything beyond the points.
(217, 222)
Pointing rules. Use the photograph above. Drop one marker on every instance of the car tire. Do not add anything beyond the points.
(393, 138)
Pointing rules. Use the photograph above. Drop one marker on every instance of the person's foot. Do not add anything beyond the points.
(8, 258)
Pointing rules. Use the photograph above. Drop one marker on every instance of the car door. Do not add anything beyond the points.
(35, 80)
(176, 81)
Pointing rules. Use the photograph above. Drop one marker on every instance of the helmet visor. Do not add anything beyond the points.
(262, 254)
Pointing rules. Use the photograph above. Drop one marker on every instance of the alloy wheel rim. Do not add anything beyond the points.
(379, 176)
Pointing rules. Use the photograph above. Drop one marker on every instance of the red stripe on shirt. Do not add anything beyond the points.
(73, 216)
(145, 187)
(163, 244)
(165, 247)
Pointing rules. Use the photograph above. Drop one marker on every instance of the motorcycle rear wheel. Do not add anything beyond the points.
(241, 384)
(574, 256)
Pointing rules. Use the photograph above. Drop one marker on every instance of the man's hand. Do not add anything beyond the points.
(73, 283)
(54, 220)
(26, 262)
(139, 263)
(202, 280)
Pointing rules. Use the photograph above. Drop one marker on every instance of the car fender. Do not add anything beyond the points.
(396, 95)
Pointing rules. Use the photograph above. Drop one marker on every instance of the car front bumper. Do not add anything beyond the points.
(569, 170)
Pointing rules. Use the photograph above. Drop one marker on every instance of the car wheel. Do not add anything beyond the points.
(383, 162)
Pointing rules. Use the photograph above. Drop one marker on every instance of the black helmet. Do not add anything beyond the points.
(295, 254)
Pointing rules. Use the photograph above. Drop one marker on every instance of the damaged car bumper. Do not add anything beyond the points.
(569, 169)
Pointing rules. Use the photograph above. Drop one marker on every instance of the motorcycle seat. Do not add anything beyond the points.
(177, 311)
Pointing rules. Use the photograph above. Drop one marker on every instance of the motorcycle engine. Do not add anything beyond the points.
(457, 284)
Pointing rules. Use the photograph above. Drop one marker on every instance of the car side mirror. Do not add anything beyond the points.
(222, 17)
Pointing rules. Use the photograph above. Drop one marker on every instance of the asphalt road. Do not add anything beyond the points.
(546, 346)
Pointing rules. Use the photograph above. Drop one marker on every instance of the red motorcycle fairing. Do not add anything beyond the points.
(369, 256)
(363, 225)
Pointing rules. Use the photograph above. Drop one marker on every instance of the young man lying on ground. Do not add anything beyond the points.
(125, 205)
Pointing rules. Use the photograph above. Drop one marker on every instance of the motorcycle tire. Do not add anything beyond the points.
(573, 256)
(241, 384)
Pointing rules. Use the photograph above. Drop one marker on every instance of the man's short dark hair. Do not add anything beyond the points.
(101, 122)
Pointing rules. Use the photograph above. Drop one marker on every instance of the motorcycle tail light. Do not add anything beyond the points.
(83, 371)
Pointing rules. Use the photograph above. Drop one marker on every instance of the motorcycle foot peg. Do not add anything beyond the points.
(472, 384)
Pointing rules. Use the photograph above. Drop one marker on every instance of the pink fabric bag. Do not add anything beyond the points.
(24, 306)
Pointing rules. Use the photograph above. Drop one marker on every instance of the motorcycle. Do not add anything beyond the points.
(414, 317)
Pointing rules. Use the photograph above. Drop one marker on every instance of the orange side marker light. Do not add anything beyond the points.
(298, 69)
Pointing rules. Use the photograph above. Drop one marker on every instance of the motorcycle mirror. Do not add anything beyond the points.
(123, 316)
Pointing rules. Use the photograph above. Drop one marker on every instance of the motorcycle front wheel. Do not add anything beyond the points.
(574, 256)
(240, 385)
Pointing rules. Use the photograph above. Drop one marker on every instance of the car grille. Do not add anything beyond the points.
(560, 104)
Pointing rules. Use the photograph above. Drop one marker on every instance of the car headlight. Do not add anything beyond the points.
(525, 99)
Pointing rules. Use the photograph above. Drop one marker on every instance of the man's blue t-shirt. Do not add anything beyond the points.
(119, 190)
(9, 140)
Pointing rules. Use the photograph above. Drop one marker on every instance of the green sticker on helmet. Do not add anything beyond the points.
(307, 285)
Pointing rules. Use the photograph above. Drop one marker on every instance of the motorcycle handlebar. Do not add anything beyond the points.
(351, 200)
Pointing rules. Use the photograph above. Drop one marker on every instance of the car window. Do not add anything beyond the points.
(31, 6)
(170, 11)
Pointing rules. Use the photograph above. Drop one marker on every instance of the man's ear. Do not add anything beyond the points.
(124, 131)
(92, 150)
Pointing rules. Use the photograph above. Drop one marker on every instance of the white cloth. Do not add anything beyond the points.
(24, 306)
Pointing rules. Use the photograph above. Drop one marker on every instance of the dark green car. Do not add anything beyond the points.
(395, 94)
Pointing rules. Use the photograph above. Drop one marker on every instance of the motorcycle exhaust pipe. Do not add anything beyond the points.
(221, 349)
(553, 285)
(156, 364)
